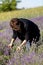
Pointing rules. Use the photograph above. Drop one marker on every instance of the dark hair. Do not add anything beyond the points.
(14, 20)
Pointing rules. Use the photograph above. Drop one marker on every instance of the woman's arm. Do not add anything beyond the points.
(11, 43)
(23, 43)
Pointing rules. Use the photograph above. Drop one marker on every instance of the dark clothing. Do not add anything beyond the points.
(29, 30)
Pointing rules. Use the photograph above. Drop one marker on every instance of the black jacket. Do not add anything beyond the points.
(29, 30)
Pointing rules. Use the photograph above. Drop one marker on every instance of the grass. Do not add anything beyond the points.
(26, 13)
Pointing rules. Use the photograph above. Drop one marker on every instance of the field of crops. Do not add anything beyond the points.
(34, 56)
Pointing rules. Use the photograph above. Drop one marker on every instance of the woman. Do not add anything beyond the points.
(25, 30)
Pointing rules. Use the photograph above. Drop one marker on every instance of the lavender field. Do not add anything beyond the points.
(11, 56)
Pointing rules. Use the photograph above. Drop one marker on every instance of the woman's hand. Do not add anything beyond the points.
(18, 48)
(10, 45)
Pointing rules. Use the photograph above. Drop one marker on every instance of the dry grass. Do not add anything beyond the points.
(29, 13)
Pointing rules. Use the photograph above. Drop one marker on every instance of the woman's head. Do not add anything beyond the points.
(15, 24)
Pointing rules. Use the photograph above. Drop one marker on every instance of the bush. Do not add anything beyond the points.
(8, 5)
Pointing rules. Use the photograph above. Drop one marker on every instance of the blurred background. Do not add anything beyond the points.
(20, 8)
(19, 4)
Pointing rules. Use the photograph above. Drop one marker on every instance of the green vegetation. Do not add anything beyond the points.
(8, 5)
